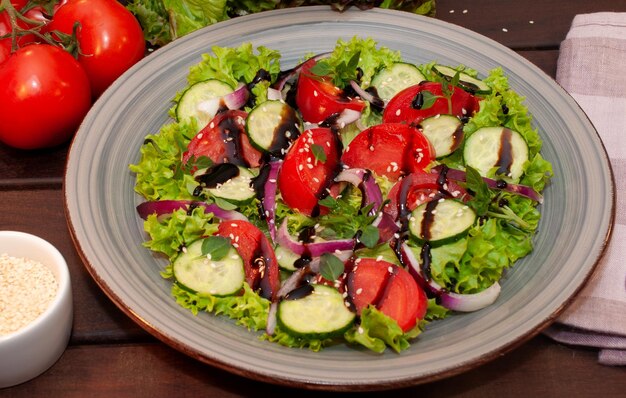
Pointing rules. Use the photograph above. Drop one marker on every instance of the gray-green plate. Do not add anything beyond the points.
(576, 223)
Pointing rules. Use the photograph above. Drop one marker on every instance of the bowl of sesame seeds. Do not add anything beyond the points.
(35, 306)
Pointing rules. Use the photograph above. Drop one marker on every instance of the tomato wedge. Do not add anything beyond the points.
(389, 288)
(305, 175)
(408, 107)
(389, 149)
(318, 98)
(224, 140)
(261, 265)
(421, 187)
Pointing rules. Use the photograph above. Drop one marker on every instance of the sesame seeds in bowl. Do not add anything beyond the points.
(35, 306)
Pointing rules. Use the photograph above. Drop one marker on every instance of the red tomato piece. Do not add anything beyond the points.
(224, 140)
(260, 263)
(421, 187)
(389, 288)
(303, 178)
(110, 38)
(389, 149)
(318, 98)
(45, 95)
(403, 107)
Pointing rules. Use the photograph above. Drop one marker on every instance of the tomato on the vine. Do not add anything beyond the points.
(6, 28)
(109, 37)
(44, 94)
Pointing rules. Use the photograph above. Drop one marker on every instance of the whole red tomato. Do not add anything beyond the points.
(110, 38)
(44, 95)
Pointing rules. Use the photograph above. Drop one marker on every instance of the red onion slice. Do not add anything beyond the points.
(274, 95)
(238, 98)
(269, 198)
(271, 318)
(364, 180)
(524, 190)
(471, 302)
(369, 97)
(452, 301)
(161, 207)
(314, 249)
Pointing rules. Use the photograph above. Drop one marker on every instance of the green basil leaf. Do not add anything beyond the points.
(428, 99)
(328, 201)
(217, 247)
(318, 152)
(369, 236)
(331, 267)
(482, 195)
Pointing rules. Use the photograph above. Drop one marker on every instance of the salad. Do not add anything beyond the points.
(353, 198)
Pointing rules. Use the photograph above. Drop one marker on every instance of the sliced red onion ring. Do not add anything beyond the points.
(238, 98)
(386, 225)
(274, 95)
(471, 302)
(524, 190)
(364, 180)
(452, 301)
(271, 318)
(314, 249)
(269, 197)
(369, 97)
(408, 257)
(161, 207)
(294, 281)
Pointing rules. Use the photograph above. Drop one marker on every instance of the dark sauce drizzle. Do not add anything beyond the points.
(505, 153)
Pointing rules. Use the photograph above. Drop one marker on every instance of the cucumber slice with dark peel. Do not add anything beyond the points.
(440, 222)
(272, 126)
(236, 190)
(390, 81)
(445, 133)
(496, 147)
(200, 101)
(320, 313)
(197, 273)
(466, 82)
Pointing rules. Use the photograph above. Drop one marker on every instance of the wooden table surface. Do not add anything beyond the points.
(110, 356)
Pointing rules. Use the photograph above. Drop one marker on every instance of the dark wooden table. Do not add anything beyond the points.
(110, 356)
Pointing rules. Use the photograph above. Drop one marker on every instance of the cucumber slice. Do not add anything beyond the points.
(321, 314)
(390, 81)
(445, 133)
(466, 82)
(499, 147)
(196, 273)
(237, 190)
(272, 126)
(200, 101)
(286, 258)
(441, 221)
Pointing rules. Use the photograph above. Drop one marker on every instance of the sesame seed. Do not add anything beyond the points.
(359, 290)
(379, 258)
(505, 30)
(300, 167)
(27, 288)
(234, 225)
(315, 94)
(390, 269)
(398, 112)
(360, 330)
(531, 22)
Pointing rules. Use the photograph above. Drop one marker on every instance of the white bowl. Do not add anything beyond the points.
(31, 350)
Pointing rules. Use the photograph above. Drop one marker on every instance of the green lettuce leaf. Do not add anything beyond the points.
(154, 20)
(186, 16)
(168, 234)
(377, 331)
(283, 338)
(159, 170)
(248, 309)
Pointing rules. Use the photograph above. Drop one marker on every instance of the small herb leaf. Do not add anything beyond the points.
(369, 236)
(216, 247)
(328, 201)
(331, 267)
(482, 195)
(428, 99)
(318, 153)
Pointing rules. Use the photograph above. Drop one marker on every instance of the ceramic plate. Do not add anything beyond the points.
(576, 222)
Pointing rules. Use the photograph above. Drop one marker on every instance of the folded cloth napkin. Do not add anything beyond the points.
(592, 68)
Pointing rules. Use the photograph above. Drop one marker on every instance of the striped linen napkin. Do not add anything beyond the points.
(592, 68)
